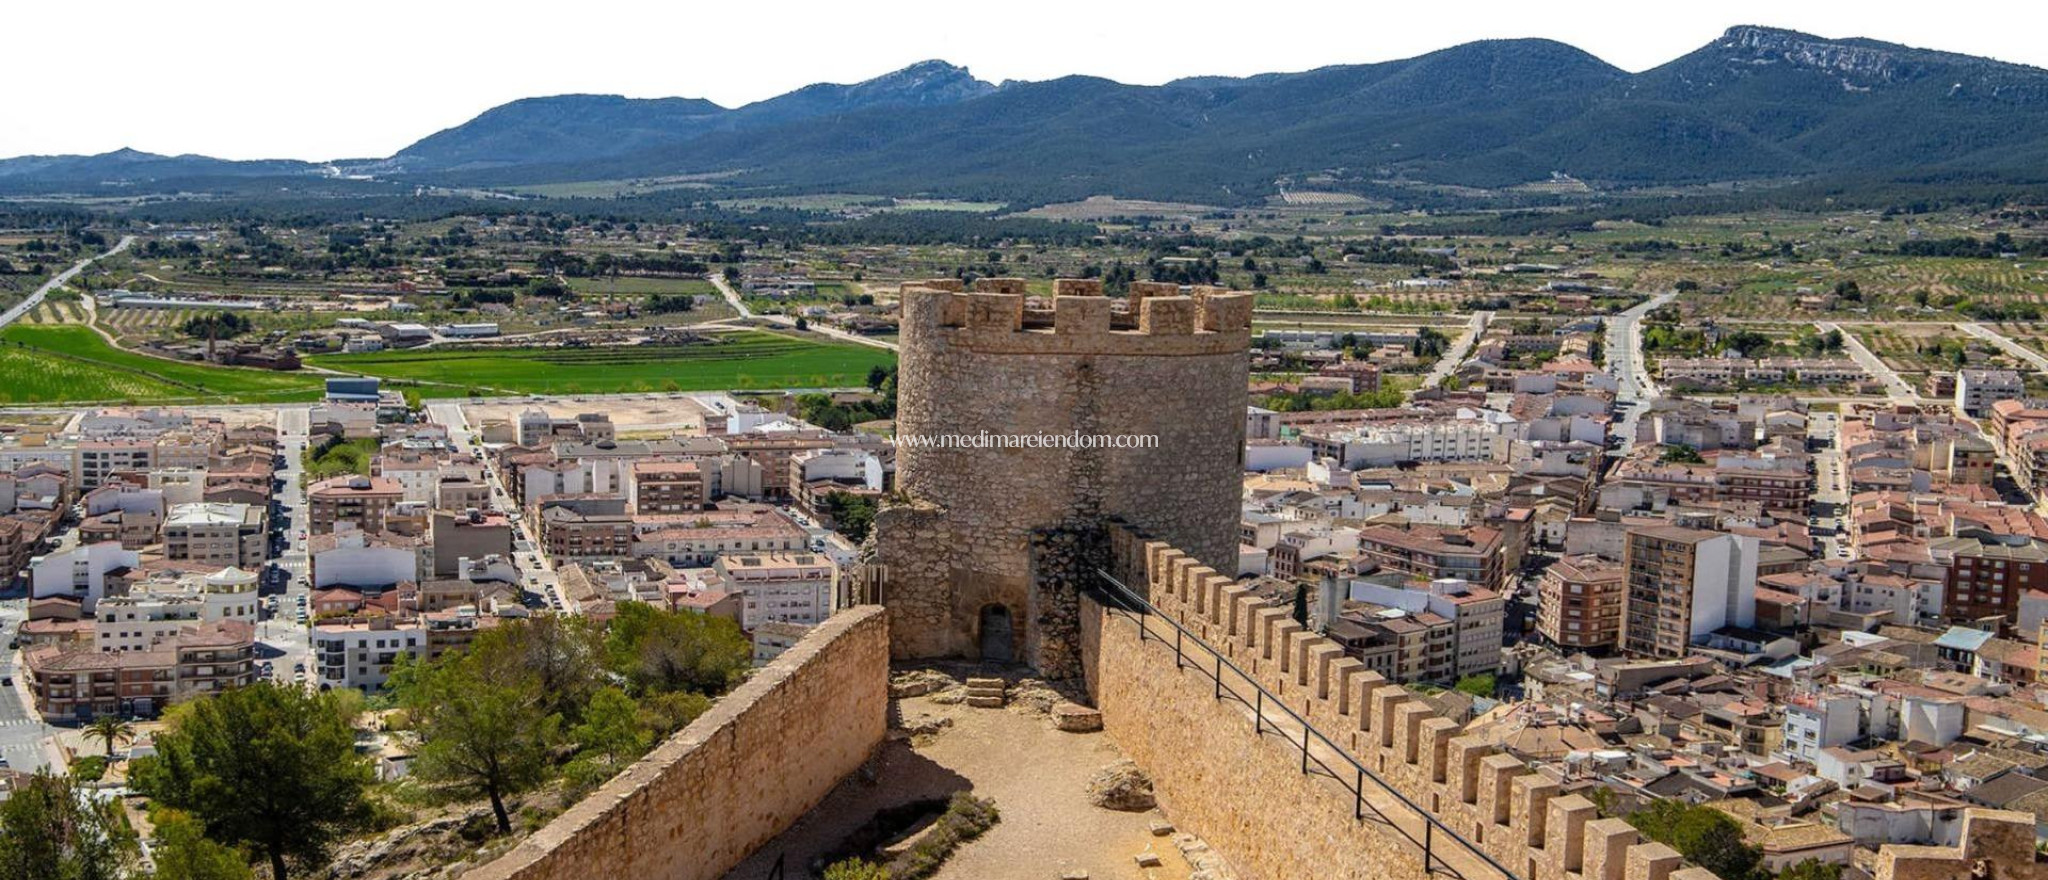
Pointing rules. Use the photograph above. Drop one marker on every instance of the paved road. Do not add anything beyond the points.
(1459, 350)
(2004, 342)
(1831, 486)
(1897, 388)
(533, 563)
(21, 731)
(282, 639)
(732, 298)
(58, 280)
(1631, 370)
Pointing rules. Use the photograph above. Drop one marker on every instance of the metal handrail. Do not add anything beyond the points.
(1122, 598)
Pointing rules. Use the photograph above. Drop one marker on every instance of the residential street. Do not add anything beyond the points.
(1625, 360)
(282, 638)
(1898, 389)
(1830, 486)
(534, 566)
(2003, 342)
(21, 732)
(1460, 348)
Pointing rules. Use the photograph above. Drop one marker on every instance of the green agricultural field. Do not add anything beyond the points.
(53, 363)
(744, 360)
(635, 285)
(31, 376)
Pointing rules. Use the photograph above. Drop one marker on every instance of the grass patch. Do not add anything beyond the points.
(53, 363)
(338, 457)
(744, 360)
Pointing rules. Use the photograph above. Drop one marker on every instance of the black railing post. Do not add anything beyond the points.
(1428, 840)
(1358, 806)
(1259, 711)
(1219, 674)
(1176, 649)
(1304, 746)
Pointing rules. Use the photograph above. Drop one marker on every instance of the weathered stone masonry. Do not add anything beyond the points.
(1250, 799)
(985, 538)
(742, 773)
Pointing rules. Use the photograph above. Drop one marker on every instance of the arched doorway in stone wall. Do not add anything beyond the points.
(998, 639)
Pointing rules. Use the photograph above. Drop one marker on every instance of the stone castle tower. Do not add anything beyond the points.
(981, 553)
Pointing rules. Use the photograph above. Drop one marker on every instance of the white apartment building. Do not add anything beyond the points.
(1475, 614)
(1821, 721)
(141, 622)
(1386, 445)
(80, 572)
(1977, 390)
(359, 655)
(354, 558)
(99, 460)
(781, 587)
(216, 534)
(156, 610)
(417, 475)
(228, 594)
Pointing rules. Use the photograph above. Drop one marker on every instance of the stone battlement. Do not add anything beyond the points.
(1516, 816)
(1156, 319)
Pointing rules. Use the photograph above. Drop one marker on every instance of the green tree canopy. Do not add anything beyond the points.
(182, 851)
(660, 650)
(215, 325)
(484, 728)
(266, 766)
(613, 734)
(1811, 869)
(1703, 835)
(52, 830)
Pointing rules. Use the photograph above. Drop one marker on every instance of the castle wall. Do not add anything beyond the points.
(980, 362)
(725, 785)
(1251, 800)
(1254, 804)
(1995, 845)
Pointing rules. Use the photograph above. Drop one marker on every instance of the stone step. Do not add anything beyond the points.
(986, 683)
(1076, 718)
(985, 702)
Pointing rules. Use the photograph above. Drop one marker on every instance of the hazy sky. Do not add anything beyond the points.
(249, 79)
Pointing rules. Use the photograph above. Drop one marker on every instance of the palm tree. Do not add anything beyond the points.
(110, 729)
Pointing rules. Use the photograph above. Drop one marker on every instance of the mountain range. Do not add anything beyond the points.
(1756, 104)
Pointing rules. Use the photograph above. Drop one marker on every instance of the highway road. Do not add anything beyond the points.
(58, 280)
(1897, 388)
(1459, 350)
